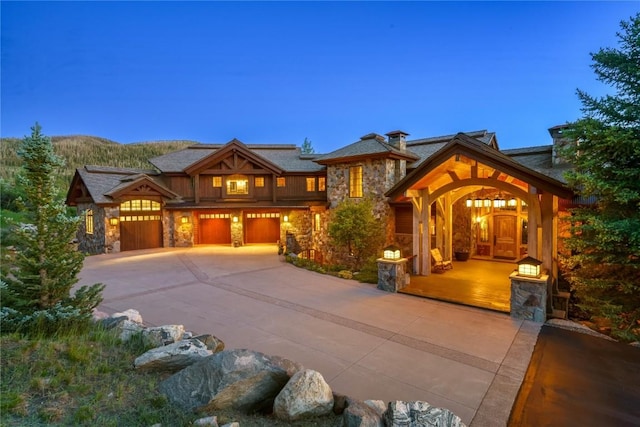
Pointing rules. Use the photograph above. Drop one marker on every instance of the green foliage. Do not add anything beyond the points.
(355, 231)
(307, 147)
(37, 282)
(604, 147)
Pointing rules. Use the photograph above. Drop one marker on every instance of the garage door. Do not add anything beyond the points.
(140, 232)
(262, 227)
(215, 229)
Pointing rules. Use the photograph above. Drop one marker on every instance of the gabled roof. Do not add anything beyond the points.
(370, 146)
(463, 144)
(233, 146)
(427, 147)
(135, 182)
(286, 157)
(105, 183)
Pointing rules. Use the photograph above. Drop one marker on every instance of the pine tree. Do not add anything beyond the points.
(307, 147)
(36, 287)
(604, 147)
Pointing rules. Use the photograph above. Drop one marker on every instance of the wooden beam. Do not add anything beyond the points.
(453, 175)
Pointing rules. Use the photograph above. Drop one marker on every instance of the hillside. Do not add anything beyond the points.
(79, 150)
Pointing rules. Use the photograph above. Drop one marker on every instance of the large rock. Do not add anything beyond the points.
(163, 335)
(361, 414)
(244, 380)
(131, 314)
(419, 414)
(306, 394)
(124, 327)
(172, 357)
(213, 343)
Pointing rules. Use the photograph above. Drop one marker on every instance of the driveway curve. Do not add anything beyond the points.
(367, 343)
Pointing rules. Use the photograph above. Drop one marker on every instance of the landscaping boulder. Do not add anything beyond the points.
(173, 357)
(213, 343)
(378, 405)
(124, 327)
(163, 335)
(419, 414)
(306, 394)
(207, 421)
(243, 380)
(360, 414)
(131, 314)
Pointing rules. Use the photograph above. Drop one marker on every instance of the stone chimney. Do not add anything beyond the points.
(398, 139)
(559, 140)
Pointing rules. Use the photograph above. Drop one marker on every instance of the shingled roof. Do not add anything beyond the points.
(370, 145)
(286, 156)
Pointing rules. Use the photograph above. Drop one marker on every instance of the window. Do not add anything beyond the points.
(311, 184)
(355, 181)
(88, 221)
(259, 181)
(237, 185)
(322, 183)
(316, 222)
(281, 182)
(139, 205)
(217, 181)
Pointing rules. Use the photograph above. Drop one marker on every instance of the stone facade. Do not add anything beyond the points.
(92, 243)
(392, 275)
(529, 297)
(176, 233)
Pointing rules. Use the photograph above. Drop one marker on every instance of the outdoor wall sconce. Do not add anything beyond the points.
(529, 267)
(286, 218)
(113, 221)
(392, 252)
(184, 219)
(512, 202)
(235, 219)
(469, 202)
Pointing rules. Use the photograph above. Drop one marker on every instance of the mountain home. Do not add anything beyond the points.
(459, 193)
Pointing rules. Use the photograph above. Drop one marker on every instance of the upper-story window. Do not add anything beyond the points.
(259, 181)
(322, 183)
(311, 183)
(281, 181)
(237, 185)
(88, 221)
(355, 181)
(217, 181)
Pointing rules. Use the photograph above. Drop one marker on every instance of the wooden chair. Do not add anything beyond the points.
(439, 263)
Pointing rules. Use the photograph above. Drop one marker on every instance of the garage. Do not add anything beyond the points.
(262, 227)
(215, 229)
(140, 232)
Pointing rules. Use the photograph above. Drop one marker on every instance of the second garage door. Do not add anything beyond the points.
(215, 229)
(262, 227)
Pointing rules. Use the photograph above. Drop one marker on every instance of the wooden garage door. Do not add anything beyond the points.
(215, 229)
(140, 232)
(262, 227)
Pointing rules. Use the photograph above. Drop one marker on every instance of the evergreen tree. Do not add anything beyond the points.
(604, 147)
(307, 147)
(355, 230)
(37, 283)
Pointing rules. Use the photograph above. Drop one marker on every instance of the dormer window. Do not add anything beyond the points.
(237, 185)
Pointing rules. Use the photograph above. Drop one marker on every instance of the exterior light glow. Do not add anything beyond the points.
(184, 219)
(512, 202)
(469, 202)
(235, 219)
(529, 267)
(487, 203)
(113, 221)
(286, 218)
(392, 252)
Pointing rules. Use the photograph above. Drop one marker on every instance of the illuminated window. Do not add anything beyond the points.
(311, 184)
(217, 181)
(139, 205)
(281, 182)
(355, 181)
(259, 181)
(88, 221)
(322, 183)
(316, 222)
(237, 184)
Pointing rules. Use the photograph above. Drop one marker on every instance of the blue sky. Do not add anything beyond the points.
(272, 72)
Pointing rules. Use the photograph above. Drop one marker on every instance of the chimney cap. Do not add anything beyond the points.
(397, 133)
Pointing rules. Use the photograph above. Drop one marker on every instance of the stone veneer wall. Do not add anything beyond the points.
(377, 177)
(529, 298)
(112, 236)
(300, 225)
(91, 243)
(175, 233)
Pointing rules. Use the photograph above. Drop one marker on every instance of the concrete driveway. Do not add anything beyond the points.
(367, 344)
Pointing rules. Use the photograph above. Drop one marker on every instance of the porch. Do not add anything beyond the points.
(477, 283)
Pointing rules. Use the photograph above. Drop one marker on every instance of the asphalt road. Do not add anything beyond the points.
(575, 379)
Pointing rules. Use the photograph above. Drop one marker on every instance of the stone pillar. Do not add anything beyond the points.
(529, 297)
(392, 274)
